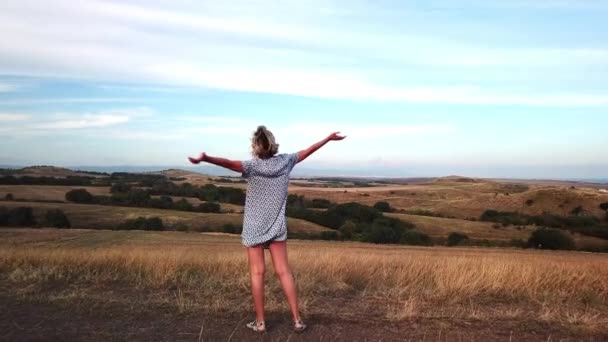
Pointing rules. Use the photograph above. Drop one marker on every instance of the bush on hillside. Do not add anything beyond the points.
(330, 235)
(119, 187)
(79, 196)
(17, 217)
(232, 228)
(383, 206)
(456, 238)
(209, 207)
(414, 237)
(550, 238)
(143, 223)
(56, 218)
(320, 203)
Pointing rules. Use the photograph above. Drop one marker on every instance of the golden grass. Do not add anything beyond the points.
(439, 226)
(209, 272)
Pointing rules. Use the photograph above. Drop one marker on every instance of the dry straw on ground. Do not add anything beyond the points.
(349, 279)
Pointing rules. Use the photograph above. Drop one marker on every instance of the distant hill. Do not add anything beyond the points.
(47, 171)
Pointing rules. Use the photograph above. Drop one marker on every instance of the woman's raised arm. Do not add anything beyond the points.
(335, 136)
(234, 165)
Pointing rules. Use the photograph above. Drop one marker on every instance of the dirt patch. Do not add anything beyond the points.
(23, 320)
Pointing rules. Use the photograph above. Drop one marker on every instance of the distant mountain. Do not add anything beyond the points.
(370, 173)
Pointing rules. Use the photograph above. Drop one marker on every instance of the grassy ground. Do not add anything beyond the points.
(531, 294)
(393, 283)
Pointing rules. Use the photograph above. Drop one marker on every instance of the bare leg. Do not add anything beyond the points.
(256, 272)
(278, 251)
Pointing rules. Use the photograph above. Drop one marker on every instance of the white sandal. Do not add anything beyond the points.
(257, 326)
(299, 326)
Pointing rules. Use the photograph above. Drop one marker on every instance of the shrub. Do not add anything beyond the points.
(320, 203)
(414, 237)
(232, 228)
(517, 243)
(529, 202)
(296, 201)
(383, 206)
(183, 205)
(231, 195)
(378, 233)
(9, 197)
(180, 227)
(384, 230)
(17, 217)
(57, 218)
(577, 211)
(347, 230)
(120, 187)
(604, 207)
(355, 211)
(3, 216)
(142, 223)
(79, 196)
(550, 238)
(209, 207)
(329, 235)
(456, 238)
(504, 217)
(138, 197)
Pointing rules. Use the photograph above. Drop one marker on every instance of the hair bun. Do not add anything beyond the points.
(264, 139)
(261, 130)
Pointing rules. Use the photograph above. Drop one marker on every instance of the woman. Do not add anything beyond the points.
(264, 222)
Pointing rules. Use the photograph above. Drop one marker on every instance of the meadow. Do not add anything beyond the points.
(532, 293)
(190, 281)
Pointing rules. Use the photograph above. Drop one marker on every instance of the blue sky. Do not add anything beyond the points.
(421, 88)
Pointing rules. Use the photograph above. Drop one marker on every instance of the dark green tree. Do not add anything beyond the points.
(550, 238)
(79, 196)
(456, 238)
(57, 218)
(383, 206)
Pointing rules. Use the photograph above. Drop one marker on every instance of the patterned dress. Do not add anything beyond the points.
(267, 180)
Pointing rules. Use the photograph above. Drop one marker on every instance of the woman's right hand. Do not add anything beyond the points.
(199, 159)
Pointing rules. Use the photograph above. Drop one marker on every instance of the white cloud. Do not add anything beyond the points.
(12, 117)
(7, 87)
(306, 130)
(70, 100)
(293, 49)
(85, 121)
(57, 123)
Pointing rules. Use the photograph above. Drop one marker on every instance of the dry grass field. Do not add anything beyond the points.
(461, 201)
(466, 200)
(393, 292)
(142, 285)
(47, 192)
(440, 227)
(108, 217)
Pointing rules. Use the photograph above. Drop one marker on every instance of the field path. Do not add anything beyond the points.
(27, 321)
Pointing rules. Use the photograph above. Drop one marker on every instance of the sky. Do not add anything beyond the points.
(421, 88)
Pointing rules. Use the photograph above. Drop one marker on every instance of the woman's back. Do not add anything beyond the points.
(268, 180)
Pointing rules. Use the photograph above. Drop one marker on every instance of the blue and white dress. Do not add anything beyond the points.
(267, 181)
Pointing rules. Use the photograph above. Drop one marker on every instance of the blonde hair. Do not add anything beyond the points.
(263, 144)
